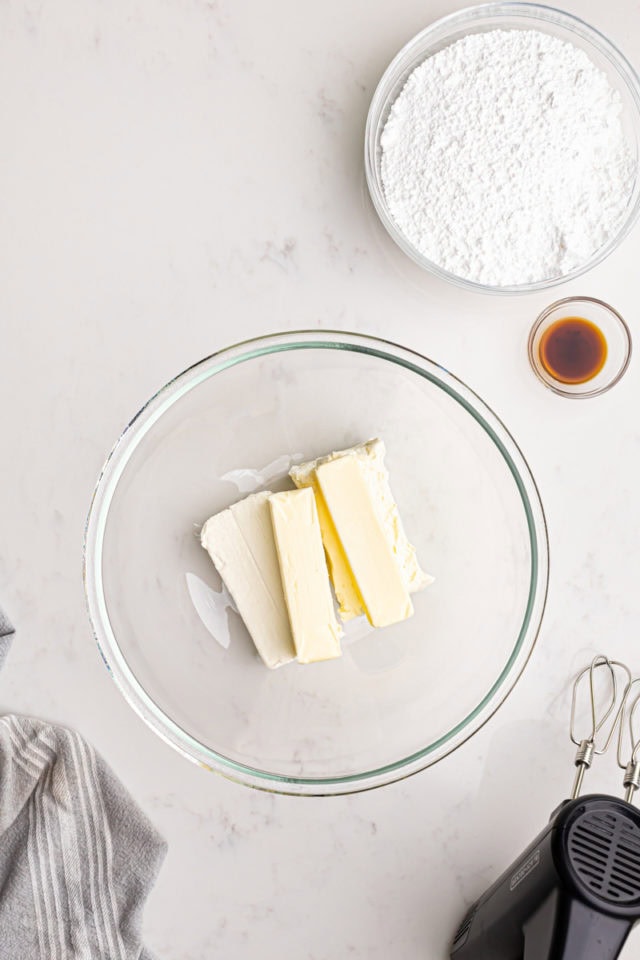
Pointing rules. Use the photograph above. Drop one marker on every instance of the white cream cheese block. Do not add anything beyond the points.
(305, 578)
(241, 544)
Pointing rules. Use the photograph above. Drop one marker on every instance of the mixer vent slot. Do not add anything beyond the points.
(463, 929)
(605, 852)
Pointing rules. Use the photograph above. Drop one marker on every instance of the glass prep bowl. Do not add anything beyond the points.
(503, 16)
(616, 334)
(398, 699)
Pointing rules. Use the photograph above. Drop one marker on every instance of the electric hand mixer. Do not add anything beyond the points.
(574, 893)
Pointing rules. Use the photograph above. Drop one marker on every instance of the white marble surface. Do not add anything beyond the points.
(175, 176)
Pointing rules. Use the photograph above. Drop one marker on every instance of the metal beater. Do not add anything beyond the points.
(632, 768)
(614, 704)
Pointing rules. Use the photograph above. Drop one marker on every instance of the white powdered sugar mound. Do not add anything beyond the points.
(504, 158)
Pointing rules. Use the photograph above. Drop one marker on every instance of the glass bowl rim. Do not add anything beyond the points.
(555, 386)
(381, 103)
(132, 689)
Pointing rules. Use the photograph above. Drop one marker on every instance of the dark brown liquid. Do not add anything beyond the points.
(573, 350)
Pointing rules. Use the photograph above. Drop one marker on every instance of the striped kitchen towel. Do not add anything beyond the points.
(77, 857)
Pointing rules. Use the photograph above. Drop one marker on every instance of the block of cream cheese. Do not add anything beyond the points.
(304, 574)
(371, 458)
(240, 542)
(360, 525)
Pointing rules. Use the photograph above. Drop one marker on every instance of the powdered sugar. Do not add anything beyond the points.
(504, 158)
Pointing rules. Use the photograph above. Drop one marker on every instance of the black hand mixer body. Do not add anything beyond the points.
(574, 894)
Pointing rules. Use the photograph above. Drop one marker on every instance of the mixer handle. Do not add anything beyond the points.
(564, 928)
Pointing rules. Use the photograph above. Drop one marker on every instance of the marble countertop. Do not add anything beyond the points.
(177, 176)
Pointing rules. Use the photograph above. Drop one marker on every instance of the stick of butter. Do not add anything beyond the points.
(304, 574)
(356, 517)
(347, 594)
(240, 542)
(370, 455)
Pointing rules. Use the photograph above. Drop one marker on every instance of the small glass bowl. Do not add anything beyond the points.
(615, 331)
(501, 16)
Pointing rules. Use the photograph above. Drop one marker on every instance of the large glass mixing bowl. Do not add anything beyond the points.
(398, 699)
